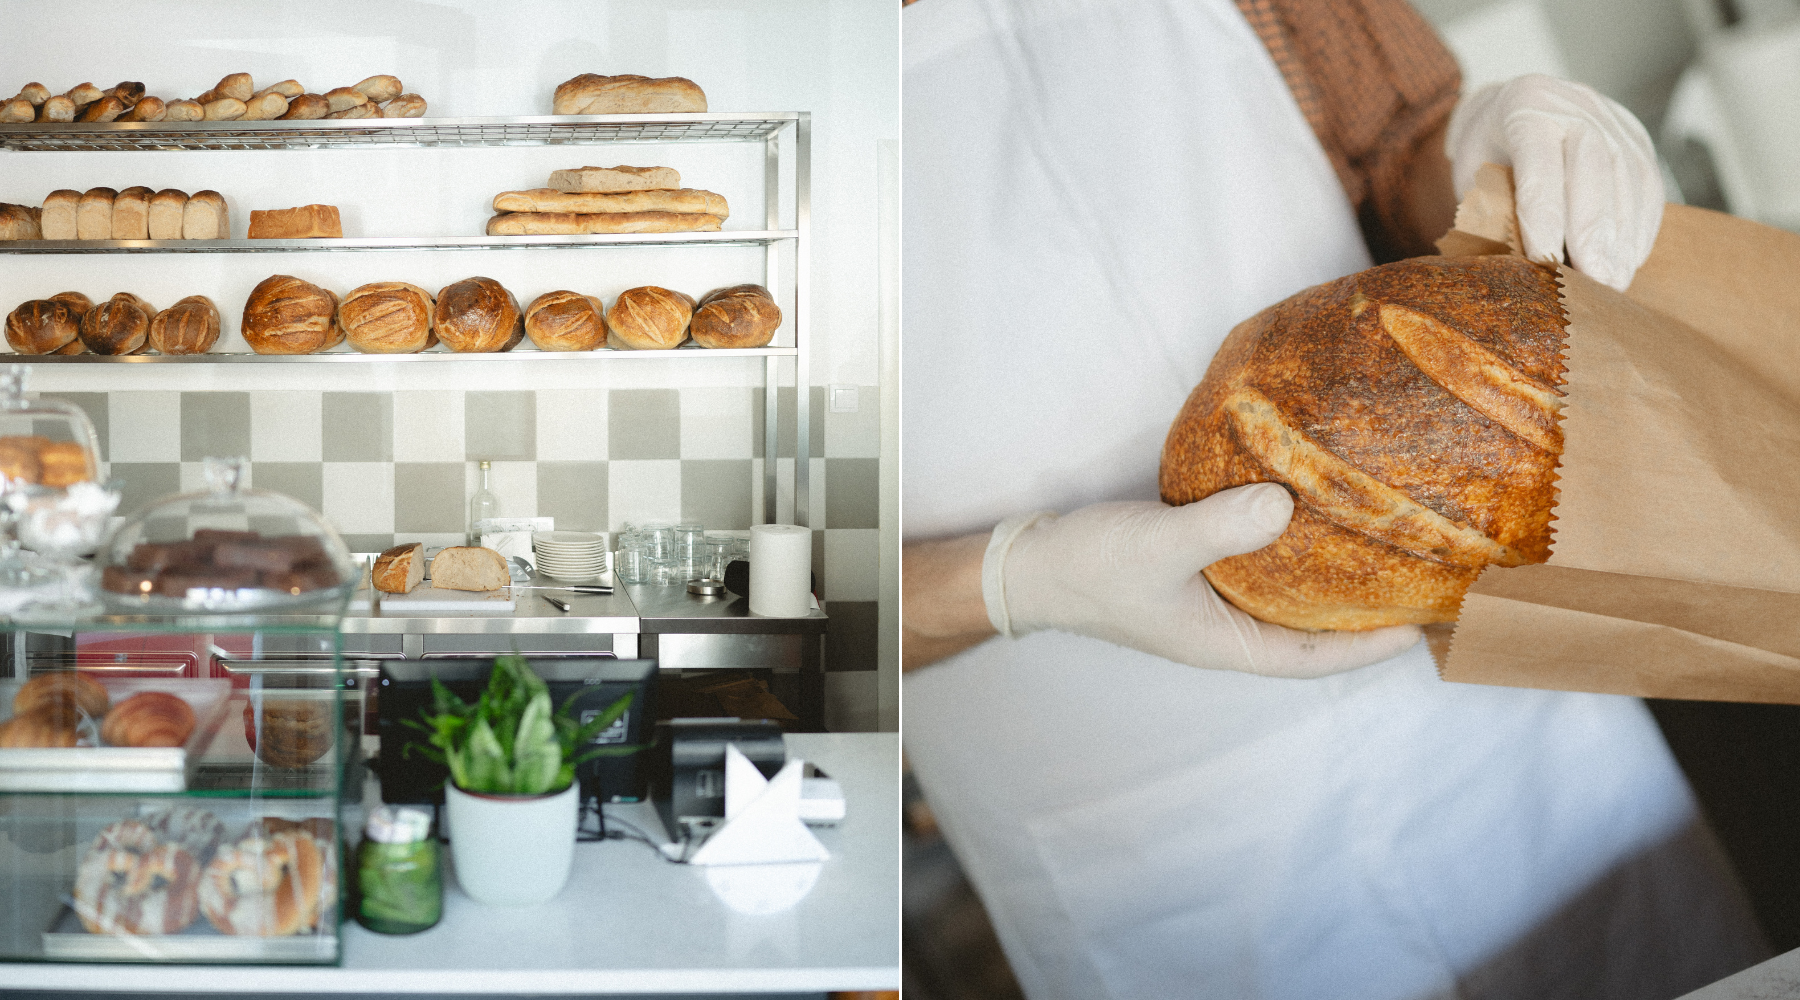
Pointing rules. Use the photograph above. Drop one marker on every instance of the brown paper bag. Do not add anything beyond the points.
(1675, 571)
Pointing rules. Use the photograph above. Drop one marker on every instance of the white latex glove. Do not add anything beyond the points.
(1129, 573)
(1584, 172)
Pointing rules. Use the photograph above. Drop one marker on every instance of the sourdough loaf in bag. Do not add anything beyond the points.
(1412, 410)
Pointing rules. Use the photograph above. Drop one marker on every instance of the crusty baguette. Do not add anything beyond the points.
(306, 107)
(129, 92)
(469, 567)
(131, 214)
(681, 200)
(572, 224)
(225, 109)
(57, 109)
(58, 218)
(404, 106)
(167, 208)
(379, 88)
(184, 111)
(150, 109)
(105, 109)
(264, 108)
(93, 216)
(289, 89)
(343, 98)
(399, 569)
(620, 178)
(17, 110)
(589, 94)
(236, 85)
(84, 94)
(367, 109)
(36, 93)
(205, 217)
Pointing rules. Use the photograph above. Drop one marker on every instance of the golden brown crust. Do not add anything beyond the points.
(599, 223)
(285, 315)
(738, 316)
(478, 316)
(120, 325)
(65, 463)
(1405, 490)
(149, 719)
(625, 94)
(66, 688)
(399, 569)
(42, 326)
(388, 317)
(688, 201)
(53, 726)
(565, 321)
(649, 318)
(190, 326)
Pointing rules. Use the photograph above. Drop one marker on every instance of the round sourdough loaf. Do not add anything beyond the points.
(388, 317)
(190, 326)
(649, 318)
(43, 326)
(285, 315)
(477, 316)
(565, 321)
(1412, 410)
(739, 316)
(120, 325)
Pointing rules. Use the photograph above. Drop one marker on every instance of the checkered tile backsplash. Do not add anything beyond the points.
(389, 467)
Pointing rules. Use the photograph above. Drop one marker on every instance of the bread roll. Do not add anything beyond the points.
(129, 92)
(682, 200)
(131, 214)
(379, 88)
(564, 321)
(477, 316)
(42, 327)
(236, 85)
(306, 107)
(285, 315)
(739, 316)
(149, 719)
(399, 569)
(207, 97)
(289, 89)
(150, 109)
(190, 326)
(1412, 410)
(63, 688)
(469, 567)
(58, 219)
(120, 325)
(264, 107)
(649, 319)
(93, 215)
(205, 217)
(303, 223)
(17, 110)
(84, 94)
(620, 178)
(404, 106)
(366, 110)
(223, 109)
(388, 317)
(589, 94)
(345, 98)
(21, 222)
(185, 111)
(36, 93)
(57, 109)
(572, 223)
(167, 210)
(105, 109)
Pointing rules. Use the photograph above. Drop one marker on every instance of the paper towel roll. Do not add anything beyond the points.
(780, 570)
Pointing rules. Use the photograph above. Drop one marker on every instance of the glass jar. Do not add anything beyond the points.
(399, 872)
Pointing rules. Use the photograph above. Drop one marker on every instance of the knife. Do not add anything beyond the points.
(587, 588)
(558, 605)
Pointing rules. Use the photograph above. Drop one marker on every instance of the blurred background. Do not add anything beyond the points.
(1717, 84)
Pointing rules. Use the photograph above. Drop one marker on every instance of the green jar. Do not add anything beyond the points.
(399, 872)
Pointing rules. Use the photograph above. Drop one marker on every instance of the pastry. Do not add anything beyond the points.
(306, 107)
(130, 882)
(1412, 409)
(285, 315)
(42, 326)
(150, 109)
(21, 222)
(205, 217)
(571, 223)
(399, 569)
(167, 208)
(149, 719)
(270, 555)
(469, 567)
(66, 688)
(131, 214)
(379, 88)
(190, 326)
(565, 321)
(619, 178)
(589, 94)
(93, 214)
(303, 223)
(52, 727)
(193, 829)
(269, 884)
(120, 325)
(293, 733)
(649, 319)
(739, 316)
(404, 106)
(64, 463)
(477, 316)
(685, 201)
(388, 317)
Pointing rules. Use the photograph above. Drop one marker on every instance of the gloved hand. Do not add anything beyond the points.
(1129, 573)
(1584, 172)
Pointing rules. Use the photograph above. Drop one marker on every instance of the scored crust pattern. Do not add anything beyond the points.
(1412, 410)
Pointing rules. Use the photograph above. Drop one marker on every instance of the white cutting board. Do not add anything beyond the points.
(428, 598)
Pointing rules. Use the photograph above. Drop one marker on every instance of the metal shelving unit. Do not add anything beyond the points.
(572, 130)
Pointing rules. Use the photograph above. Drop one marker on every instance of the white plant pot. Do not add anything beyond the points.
(512, 850)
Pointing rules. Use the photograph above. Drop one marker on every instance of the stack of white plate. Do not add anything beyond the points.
(570, 556)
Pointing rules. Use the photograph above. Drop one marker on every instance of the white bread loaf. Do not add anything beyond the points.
(131, 214)
(205, 217)
(58, 219)
(166, 210)
(93, 216)
(469, 567)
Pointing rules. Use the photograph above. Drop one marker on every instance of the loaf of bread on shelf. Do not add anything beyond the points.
(57, 220)
(17, 111)
(649, 318)
(738, 316)
(131, 214)
(223, 109)
(404, 106)
(120, 325)
(388, 317)
(306, 107)
(105, 109)
(469, 567)
(42, 326)
(184, 111)
(21, 222)
(149, 719)
(285, 315)
(190, 326)
(345, 98)
(57, 109)
(477, 316)
(35, 93)
(589, 94)
(399, 569)
(263, 107)
(620, 178)
(93, 215)
(289, 89)
(379, 88)
(236, 85)
(303, 223)
(150, 109)
(167, 209)
(84, 94)
(129, 92)
(577, 224)
(62, 688)
(687, 201)
(368, 109)
(205, 217)
(565, 321)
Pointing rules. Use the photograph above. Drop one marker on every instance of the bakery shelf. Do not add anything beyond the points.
(546, 130)
(352, 357)
(743, 238)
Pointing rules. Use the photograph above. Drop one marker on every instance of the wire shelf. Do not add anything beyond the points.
(549, 130)
(738, 239)
(689, 353)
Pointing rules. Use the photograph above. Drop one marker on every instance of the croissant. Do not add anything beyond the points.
(65, 687)
(149, 719)
(52, 726)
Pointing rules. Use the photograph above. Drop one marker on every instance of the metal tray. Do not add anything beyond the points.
(68, 941)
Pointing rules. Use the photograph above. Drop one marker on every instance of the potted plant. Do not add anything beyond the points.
(512, 795)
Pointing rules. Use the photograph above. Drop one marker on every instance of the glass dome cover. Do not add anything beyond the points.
(227, 548)
(43, 442)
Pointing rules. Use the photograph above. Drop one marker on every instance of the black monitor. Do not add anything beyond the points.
(405, 693)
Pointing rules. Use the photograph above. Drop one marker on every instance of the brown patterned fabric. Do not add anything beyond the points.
(1374, 81)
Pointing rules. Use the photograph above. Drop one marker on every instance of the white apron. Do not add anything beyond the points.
(1095, 191)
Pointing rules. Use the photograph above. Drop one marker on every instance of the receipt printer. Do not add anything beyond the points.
(689, 783)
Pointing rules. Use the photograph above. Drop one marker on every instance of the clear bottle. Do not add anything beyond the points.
(482, 505)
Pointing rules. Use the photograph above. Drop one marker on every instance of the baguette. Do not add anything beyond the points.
(150, 109)
(680, 200)
(128, 92)
(306, 107)
(367, 109)
(289, 89)
(224, 109)
(36, 93)
(379, 88)
(131, 214)
(236, 85)
(205, 217)
(57, 109)
(105, 109)
(17, 110)
(58, 218)
(93, 216)
(404, 106)
(84, 94)
(165, 213)
(620, 178)
(265, 107)
(572, 224)
(184, 111)
(344, 98)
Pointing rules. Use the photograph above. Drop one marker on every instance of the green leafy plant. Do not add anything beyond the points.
(509, 741)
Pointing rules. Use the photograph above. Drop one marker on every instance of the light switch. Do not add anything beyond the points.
(843, 399)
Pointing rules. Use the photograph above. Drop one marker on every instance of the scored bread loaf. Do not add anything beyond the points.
(190, 326)
(578, 224)
(131, 214)
(150, 109)
(565, 321)
(686, 201)
(1412, 410)
(477, 316)
(223, 109)
(388, 317)
(167, 209)
(306, 107)
(303, 223)
(93, 215)
(590, 94)
(620, 178)
(120, 325)
(285, 315)
(379, 88)
(399, 569)
(205, 217)
(404, 106)
(21, 222)
(649, 318)
(42, 326)
(738, 316)
(469, 567)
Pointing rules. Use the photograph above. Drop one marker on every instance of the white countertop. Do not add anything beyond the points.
(1777, 977)
(628, 922)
